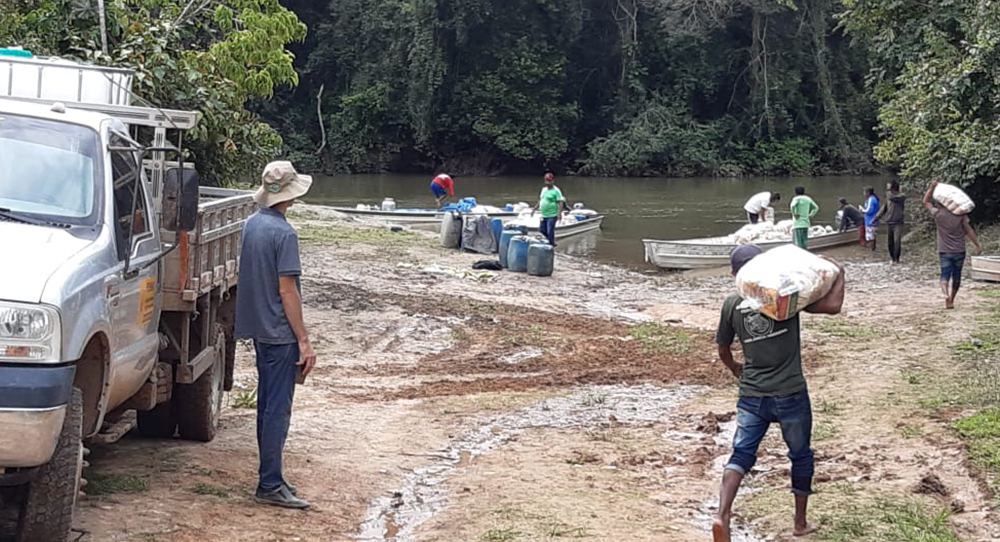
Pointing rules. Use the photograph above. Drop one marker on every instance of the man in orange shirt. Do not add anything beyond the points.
(442, 187)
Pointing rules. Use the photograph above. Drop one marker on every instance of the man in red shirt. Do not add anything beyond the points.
(442, 187)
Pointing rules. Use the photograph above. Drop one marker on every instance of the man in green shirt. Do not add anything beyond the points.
(803, 209)
(772, 390)
(550, 203)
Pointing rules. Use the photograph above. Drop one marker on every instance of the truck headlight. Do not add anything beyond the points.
(29, 333)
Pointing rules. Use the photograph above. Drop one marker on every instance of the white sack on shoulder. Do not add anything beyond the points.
(782, 281)
(954, 199)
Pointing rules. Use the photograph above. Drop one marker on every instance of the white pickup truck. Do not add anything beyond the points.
(116, 289)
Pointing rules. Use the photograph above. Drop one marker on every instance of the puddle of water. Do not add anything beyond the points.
(706, 513)
(523, 355)
(394, 517)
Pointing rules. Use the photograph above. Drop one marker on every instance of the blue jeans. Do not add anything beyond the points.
(951, 268)
(548, 229)
(753, 417)
(276, 371)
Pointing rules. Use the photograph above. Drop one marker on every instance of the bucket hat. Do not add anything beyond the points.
(280, 183)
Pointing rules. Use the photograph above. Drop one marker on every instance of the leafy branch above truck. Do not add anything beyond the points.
(185, 57)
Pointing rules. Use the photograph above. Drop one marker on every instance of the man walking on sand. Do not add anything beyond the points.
(269, 311)
(772, 390)
(952, 230)
(803, 209)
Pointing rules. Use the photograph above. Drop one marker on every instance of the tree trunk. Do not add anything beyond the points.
(833, 126)
(760, 89)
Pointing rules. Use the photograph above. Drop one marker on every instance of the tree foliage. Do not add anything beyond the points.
(633, 87)
(205, 55)
(936, 76)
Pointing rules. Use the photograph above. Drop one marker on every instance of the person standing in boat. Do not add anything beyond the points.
(551, 204)
(443, 187)
(803, 209)
(757, 206)
(870, 209)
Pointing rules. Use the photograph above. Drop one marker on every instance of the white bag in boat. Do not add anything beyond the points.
(954, 199)
(782, 281)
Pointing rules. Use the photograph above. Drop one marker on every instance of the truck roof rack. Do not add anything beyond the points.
(130, 114)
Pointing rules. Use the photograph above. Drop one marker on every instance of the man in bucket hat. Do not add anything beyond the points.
(772, 390)
(269, 311)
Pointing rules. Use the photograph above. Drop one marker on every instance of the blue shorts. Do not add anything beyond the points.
(438, 190)
(951, 267)
(754, 415)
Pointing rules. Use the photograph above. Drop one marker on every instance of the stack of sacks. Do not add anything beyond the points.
(954, 199)
(782, 281)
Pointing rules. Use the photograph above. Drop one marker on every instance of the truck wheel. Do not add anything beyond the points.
(49, 499)
(159, 422)
(200, 404)
(230, 359)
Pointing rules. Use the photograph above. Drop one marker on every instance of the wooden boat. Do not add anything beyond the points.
(986, 268)
(714, 251)
(410, 217)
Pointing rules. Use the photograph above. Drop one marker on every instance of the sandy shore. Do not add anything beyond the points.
(450, 406)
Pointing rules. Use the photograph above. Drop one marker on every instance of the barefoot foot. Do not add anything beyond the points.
(720, 531)
(810, 528)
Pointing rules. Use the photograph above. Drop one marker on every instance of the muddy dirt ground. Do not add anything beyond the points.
(589, 405)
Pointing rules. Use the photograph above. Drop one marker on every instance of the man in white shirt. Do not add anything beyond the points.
(757, 206)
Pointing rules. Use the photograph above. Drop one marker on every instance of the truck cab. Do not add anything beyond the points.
(116, 297)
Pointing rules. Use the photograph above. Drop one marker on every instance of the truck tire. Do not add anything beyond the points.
(230, 358)
(199, 405)
(49, 499)
(158, 423)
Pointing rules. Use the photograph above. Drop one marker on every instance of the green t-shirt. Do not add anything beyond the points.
(803, 209)
(549, 201)
(772, 350)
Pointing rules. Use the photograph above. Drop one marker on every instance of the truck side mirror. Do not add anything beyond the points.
(180, 200)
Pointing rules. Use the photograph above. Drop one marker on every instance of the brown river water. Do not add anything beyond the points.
(658, 208)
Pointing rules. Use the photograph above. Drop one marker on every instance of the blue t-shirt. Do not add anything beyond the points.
(270, 249)
(871, 210)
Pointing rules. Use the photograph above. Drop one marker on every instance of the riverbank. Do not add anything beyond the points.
(450, 405)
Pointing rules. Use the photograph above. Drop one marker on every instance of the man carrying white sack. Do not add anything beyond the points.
(952, 229)
(772, 390)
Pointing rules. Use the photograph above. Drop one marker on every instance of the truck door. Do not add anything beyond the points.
(132, 292)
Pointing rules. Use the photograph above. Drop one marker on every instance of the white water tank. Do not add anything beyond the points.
(388, 204)
(57, 79)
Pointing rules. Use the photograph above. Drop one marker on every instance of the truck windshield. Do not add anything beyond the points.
(48, 170)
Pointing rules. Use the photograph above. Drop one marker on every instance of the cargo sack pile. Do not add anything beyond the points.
(954, 199)
(781, 282)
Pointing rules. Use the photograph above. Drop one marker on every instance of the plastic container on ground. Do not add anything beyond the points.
(517, 254)
(497, 229)
(541, 260)
(388, 204)
(57, 79)
(451, 230)
(504, 245)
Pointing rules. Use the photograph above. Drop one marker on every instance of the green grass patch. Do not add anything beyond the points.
(846, 515)
(380, 237)
(982, 433)
(662, 340)
(910, 431)
(841, 327)
(111, 483)
(501, 534)
(202, 488)
(831, 409)
(243, 399)
(887, 521)
(824, 430)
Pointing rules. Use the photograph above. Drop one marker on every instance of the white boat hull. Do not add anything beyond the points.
(712, 252)
(409, 218)
(584, 226)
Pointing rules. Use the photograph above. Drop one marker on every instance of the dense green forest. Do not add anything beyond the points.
(605, 87)
(599, 87)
